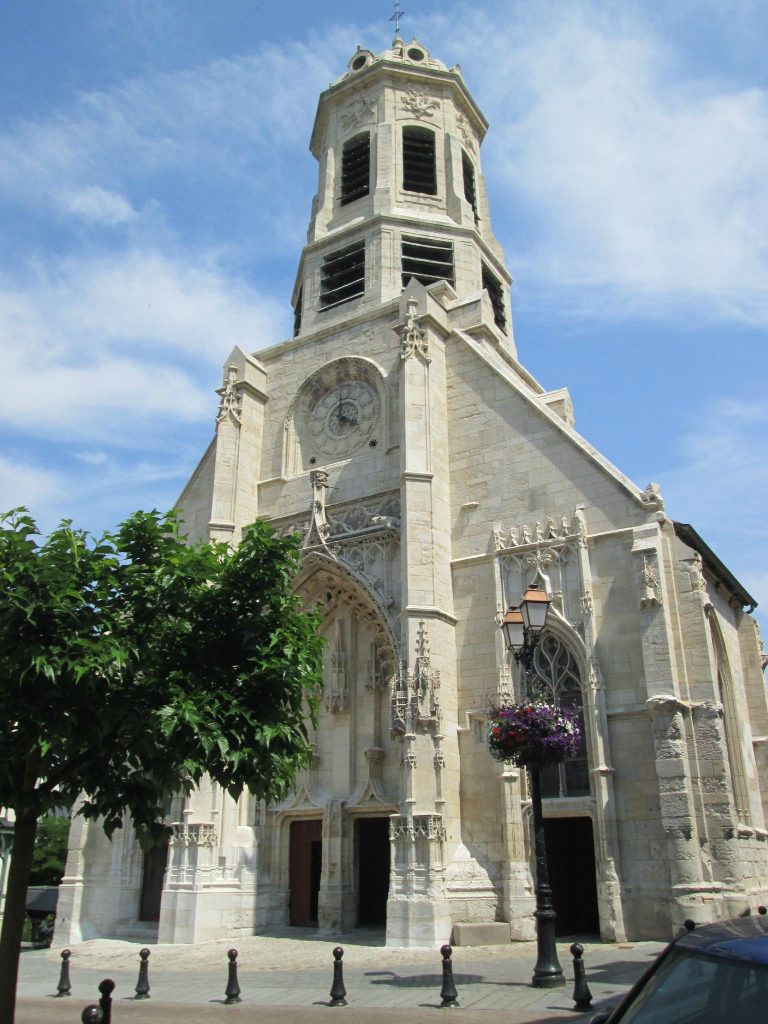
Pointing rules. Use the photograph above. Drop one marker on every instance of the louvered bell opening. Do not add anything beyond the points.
(496, 295)
(419, 173)
(355, 169)
(297, 313)
(342, 276)
(428, 260)
(470, 193)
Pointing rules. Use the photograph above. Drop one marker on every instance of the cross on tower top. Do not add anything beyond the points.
(396, 17)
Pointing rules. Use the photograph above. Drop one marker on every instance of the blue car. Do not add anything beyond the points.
(714, 974)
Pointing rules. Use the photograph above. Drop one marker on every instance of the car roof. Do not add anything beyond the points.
(741, 938)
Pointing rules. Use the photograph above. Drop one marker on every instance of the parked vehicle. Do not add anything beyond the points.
(714, 974)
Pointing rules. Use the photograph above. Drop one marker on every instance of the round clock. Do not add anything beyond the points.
(344, 417)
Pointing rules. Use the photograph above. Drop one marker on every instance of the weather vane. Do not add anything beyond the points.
(397, 16)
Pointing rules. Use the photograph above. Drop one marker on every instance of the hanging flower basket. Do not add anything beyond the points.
(533, 733)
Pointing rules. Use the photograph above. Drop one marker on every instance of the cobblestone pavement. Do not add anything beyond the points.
(286, 977)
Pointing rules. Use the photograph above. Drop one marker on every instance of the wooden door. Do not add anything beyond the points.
(155, 861)
(305, 868)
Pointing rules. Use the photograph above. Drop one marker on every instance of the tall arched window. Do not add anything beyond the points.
(733, 741)
(558, 680)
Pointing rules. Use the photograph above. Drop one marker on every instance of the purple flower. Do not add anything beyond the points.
(533, 733)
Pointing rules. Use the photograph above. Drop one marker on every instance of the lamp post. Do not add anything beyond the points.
(522, 628)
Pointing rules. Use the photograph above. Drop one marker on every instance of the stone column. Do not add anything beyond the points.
(239, 428)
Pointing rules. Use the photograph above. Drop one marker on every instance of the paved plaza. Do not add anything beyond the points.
(286, 978)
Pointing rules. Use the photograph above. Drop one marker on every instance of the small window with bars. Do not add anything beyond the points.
(427, 259)
(419, 173)
(297, 312)
(470, 192)
(342, 275)
(496, 294)
(355, 168)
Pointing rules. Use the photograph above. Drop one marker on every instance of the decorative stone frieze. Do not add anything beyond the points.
(186, 833)
(417, 826)
(361, 110)
(417, 102)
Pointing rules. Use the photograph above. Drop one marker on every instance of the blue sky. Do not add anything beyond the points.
(155, 186)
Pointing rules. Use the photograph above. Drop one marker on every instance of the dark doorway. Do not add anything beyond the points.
(152, 877)
(306, 864)
(372, 871)
(571, 862)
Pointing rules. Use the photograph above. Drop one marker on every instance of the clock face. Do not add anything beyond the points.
(343, 417)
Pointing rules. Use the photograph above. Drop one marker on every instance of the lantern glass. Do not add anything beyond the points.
(513, 628)
(534, 608)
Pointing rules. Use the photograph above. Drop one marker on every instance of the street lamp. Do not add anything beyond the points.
(522, 628)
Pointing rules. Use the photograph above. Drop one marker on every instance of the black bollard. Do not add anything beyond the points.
(762, 910)
(142, 985)
(233, 989)
(338, 992)
(582, 997)
(448, 994)
(106, 987)
(92, 1015)
(64, 987)
(689, 925)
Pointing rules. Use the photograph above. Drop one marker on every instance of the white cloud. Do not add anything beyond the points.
(633, 177)
(101, 205)
(95, 349)
(719, 483)
(24, 484)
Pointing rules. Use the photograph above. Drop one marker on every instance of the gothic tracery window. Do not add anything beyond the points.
(558, 680)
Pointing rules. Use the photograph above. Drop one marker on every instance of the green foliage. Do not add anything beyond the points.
(132, 664)
(50, 853)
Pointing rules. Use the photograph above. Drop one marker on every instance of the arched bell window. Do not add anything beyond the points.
(557, 679)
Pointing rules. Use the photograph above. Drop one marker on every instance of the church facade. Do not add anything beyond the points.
(433, 479)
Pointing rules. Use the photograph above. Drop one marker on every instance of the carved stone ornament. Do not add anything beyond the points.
(359, 111)
(418, 103)
(550, 531)
(414, 339)
(695, 567)
(231, 403)
(420, 826)
(193, 834)
(652, 499)
(665, 704)
(650, 585)
(465, 131)
(414, 700)
(318, 530)
(336, 694)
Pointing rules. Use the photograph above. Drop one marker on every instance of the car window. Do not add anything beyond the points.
(696, 989)
(677, 993)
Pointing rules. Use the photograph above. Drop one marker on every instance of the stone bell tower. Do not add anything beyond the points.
(399, 246)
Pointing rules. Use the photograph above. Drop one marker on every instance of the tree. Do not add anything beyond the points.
(131, 665)
(50, 852)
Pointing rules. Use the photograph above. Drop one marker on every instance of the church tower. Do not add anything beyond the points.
(432, 480)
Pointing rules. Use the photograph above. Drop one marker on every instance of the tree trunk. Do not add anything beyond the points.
(13, 919)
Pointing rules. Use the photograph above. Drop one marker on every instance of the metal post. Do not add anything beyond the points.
(448, 994)
(547, 973)
(338, 992)
(582, 997)
(142, 985)
(233, 989)
(92, 1015)
(107, 987)
(64, 987)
